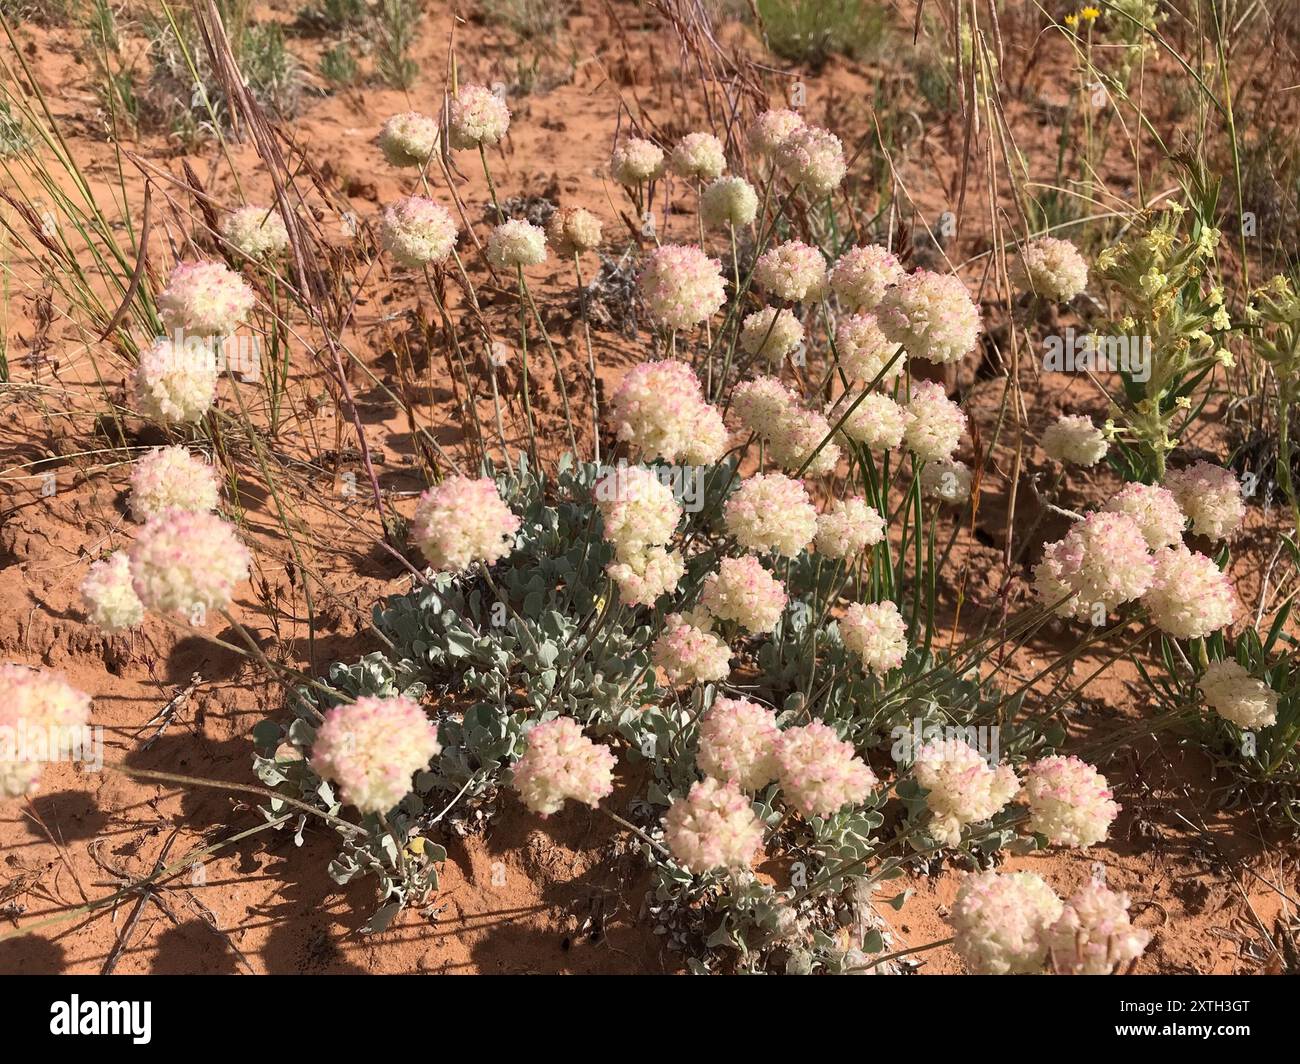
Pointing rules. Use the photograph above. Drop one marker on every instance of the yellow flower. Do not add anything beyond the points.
(1090, 14)
(1071, 20)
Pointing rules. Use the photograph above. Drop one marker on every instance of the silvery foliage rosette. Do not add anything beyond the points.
(563, 644)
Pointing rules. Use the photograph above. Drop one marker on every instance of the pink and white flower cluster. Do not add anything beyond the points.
(1074, 440)
(205, 299)
(689, 653)
(561, 763)
(257, 232)
(1000, 922)
(372, 747)
(1236, 695)
(963, 787)
(713, 827)
(478, 117)
(1211, 496)
(792, 271)
(1051, 268)
(744, 592)
(659, 408)
(1094, 935)
(39, 703)
(640, 515)
(934, 422)
(819, 772)
(738, 743)
(848, 528)
(111, 601)
(681, 286)
(771, 512)
(184, 561)
(862, 276)
(462, 521)
(1013, 923)
(170, 478)
(1069, 801)
(409, 139)
(417, 232)
(876, 634)
(932, 316)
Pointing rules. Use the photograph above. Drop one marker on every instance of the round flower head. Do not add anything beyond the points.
(688, 654)
(699, 157)
(848, 528)
(794, 438)
(416, 231)
(946, 480)
(637, 160)
(1000, 921)
(111, 601)
(710, 441)
(1210, 496)
(255, 231)
(769, 511)
(409, 139)
(934, 422)
(573, 230)
(812, 159)
(43, 715)
(1069, 801)
(876, 422)
(932, 316)
(771, 334)
(659, 407)
(1051, 268)
(1154, 509)
(737, 743)
(642, 577)
(771, 128)
(792, 271)
(170, 478)
(1100, 564)
(876, 634)
(864, 352)
(743, 591)
(729, 202)
(1190, 596)
(372, 747)
(820, 773)
(681, 286)
(176, 382)
(1074, 440)
(863, 275)
(964, 788)
(760, 403)
(1093, 935)
(185, 561)
(516, 243)
(560, 762)
(204, 299)
(478, 117)
(713, 827)
(461, 521)
(639, 509)
(1236, 695)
